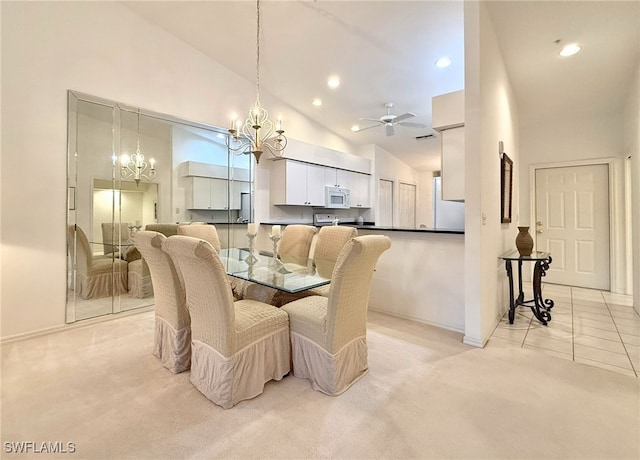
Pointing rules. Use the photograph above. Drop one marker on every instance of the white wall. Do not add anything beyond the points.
(388, 166)
(424, 211)
(632, 147)
(490, 116)
(557, 139)
(428, 285)
(106, 50)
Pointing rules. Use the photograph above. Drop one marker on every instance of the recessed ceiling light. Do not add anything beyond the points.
(570, 50)
(355, 128)
(443, 62)
(317, 102)
(333, 82)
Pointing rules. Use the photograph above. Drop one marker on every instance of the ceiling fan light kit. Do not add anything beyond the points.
(389, 121)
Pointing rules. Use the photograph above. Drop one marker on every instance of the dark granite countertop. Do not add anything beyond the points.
(368, 226)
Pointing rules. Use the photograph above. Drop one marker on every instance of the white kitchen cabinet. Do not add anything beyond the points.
(335, 177)
(447, 110)
(206, 193)
(357, 183)
(238, 187)
(297, 183)
(447, 117)
(331, 177)
(360, 187)
(453, 174)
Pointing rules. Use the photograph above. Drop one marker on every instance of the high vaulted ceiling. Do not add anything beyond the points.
(384, 51)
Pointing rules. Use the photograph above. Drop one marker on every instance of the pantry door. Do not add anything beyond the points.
(572, 223)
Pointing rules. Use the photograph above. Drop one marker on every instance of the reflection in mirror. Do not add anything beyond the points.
(197, 181)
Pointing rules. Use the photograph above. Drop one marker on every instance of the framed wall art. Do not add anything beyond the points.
(506, 188)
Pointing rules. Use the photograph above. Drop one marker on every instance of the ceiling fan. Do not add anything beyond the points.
(389, 120)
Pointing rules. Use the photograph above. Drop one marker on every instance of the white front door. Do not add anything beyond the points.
(572, 223)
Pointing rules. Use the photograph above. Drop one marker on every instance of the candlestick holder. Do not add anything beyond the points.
(276, 264)
(251, 258)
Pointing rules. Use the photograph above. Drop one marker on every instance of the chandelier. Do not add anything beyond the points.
(257, 133)
(135, 167)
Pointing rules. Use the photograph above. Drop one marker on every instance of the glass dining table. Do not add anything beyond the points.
(263, 268)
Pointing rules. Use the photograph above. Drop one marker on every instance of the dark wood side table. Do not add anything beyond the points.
(539, 306)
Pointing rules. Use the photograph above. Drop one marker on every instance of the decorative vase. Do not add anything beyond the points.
(524, 242)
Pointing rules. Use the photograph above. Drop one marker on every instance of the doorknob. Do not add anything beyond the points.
(538, 231)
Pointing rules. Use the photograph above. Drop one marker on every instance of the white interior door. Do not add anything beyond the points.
(572, 223)
(407, 205)
(385, 203)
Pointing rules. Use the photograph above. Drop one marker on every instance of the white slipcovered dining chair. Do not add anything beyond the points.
(236, 346)
(293, 252)
(328, 243)
(139, 278)
(172, 340)
(204, 232)
(114, 233)
(328, 334)
(166, 229)
(96, 276)
(295, 245)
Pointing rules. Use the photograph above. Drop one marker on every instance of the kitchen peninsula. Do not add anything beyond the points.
(421, 277)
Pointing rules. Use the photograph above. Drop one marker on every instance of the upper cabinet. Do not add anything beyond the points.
(447, 110)
(207, 186)
(358, 185)
(303, 184)
(452, 173)
(448, 119)
(206, 193)
(297, 183)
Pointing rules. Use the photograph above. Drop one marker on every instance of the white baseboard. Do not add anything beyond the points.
(419, 320)
(474, 342)
(78, 324)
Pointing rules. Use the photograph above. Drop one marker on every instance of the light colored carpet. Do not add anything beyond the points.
(426, 396)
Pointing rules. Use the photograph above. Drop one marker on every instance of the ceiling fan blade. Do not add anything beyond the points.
(412, 125)
(368, 127)
(370, 119)
(404, 116)
(390, 130)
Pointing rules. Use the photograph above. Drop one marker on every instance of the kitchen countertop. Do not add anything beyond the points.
(368, 226)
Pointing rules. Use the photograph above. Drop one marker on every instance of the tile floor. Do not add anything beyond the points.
(588, 326)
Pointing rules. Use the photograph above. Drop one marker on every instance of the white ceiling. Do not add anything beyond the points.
(384, 51)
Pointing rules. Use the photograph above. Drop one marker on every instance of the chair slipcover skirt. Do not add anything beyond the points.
(140, 284)
(228, 380)
(172, 347)
(105, 277)
(330, 374)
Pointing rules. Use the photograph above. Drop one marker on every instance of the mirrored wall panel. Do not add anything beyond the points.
(131, 169)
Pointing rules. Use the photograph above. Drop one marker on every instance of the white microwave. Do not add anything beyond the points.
(337, 197)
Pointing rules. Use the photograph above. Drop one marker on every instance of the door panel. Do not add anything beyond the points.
(572, 223)
(407, 200)
(385, 203)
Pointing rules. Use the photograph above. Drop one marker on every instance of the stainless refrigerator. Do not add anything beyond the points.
(447, 215)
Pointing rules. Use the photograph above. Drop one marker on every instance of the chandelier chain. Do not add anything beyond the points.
(257, 133)
(138, 134)
(258, 52)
